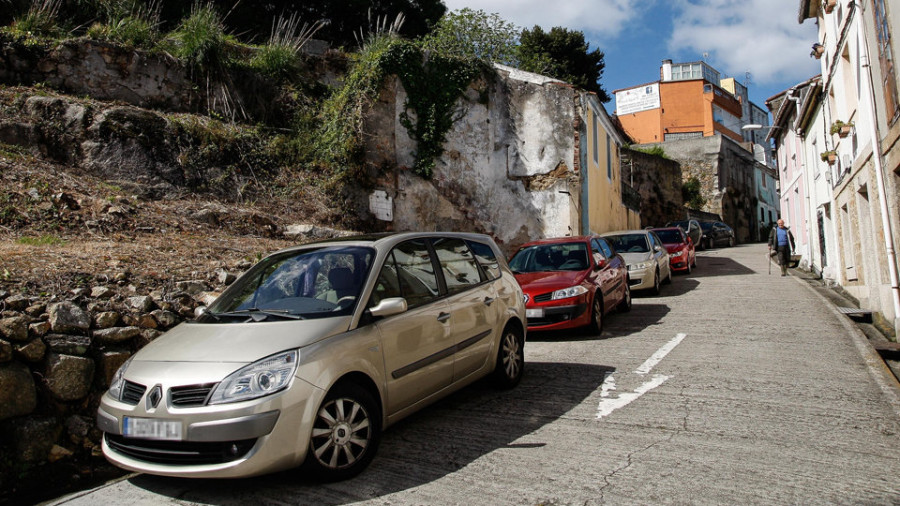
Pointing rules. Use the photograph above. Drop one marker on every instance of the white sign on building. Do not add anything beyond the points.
(642, 98)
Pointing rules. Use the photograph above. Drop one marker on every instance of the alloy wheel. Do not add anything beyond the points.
(341, 434)
(511, 353)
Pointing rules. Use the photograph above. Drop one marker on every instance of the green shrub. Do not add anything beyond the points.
(200, 39)
(280, 57)
(338, 144)
(41, 20)
(691, 194)
(655, 151)
(130, 31)
(128, 22)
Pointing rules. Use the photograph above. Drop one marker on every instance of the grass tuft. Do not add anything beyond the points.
(41, 20)
(44, 240)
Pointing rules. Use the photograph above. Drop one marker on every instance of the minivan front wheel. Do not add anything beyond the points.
(510, 358)
(345, 433)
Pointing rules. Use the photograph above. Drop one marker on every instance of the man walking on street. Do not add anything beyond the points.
(782, 241)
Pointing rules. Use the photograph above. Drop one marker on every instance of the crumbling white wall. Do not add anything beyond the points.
(508, 167)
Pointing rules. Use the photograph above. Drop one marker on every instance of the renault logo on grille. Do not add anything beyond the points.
(526, 297)
(154, 397)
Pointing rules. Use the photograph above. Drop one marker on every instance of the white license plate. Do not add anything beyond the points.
(151, 428)
(534, 313)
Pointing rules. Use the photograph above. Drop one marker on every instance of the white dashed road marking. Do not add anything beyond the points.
(609, 404)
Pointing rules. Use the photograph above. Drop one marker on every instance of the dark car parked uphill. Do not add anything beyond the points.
(691, 228)
(715, 234)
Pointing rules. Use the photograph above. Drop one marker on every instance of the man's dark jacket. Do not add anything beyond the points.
(773, 238)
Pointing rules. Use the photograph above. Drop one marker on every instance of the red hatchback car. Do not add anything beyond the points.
(682, 254)
(571, 282)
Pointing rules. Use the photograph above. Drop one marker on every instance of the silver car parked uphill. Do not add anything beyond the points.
(312, 352)
(646, 257)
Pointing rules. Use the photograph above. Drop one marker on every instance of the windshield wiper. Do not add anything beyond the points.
(254, 312)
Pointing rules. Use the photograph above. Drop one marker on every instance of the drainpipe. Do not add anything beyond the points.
(879, 170)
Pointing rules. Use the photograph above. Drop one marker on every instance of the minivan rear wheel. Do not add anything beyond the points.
(510, 358)
(345, 434)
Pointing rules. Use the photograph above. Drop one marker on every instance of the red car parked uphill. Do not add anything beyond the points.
(571, 282)
(682, 254)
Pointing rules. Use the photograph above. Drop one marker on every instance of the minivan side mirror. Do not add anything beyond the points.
(389, 307)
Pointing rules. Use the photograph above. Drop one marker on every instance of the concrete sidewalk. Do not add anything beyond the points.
(861, 333)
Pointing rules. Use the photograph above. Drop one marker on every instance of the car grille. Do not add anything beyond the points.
(132, 393)
(190, 395)
(544, 297)
(179, 452)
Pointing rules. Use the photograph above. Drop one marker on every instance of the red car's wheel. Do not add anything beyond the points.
(625, 305)
(596, 325)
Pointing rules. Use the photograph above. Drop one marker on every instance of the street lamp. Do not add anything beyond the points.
(757, 126)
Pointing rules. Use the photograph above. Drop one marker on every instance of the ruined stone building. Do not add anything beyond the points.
(538, 158)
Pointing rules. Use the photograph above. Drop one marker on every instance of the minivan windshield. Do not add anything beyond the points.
(299, 284)
(570, 256)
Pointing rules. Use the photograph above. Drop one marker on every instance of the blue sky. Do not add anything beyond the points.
(761, 37)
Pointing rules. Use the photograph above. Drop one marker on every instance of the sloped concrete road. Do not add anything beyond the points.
(733, 387)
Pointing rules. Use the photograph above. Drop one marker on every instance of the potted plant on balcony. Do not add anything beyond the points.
(817, 50)
(841, 128)
(829, 156)
(830, 5)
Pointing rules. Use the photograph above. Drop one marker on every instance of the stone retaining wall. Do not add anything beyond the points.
(59, 353)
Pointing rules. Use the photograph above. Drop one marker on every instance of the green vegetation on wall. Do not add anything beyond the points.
(690, 193)
(433, 85)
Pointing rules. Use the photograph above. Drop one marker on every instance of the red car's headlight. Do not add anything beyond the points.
(572, 291)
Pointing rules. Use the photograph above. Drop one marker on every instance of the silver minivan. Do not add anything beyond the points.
(312, 352)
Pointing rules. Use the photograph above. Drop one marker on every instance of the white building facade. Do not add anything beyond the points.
(849, 131)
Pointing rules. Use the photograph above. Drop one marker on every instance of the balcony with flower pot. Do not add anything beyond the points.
(829, 156)
(841, 129)
(830, 5)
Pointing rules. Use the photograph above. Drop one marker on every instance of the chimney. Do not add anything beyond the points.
(665, 72)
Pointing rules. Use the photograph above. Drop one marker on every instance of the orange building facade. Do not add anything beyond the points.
(679, 109)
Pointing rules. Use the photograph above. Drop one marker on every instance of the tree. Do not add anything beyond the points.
(469, 33)
(563, 54)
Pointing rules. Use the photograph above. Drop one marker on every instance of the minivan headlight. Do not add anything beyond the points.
(267, 376)
(565, 293)
(118, 380)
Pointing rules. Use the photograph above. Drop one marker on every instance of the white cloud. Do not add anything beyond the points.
(603, 17)
(762, 37)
